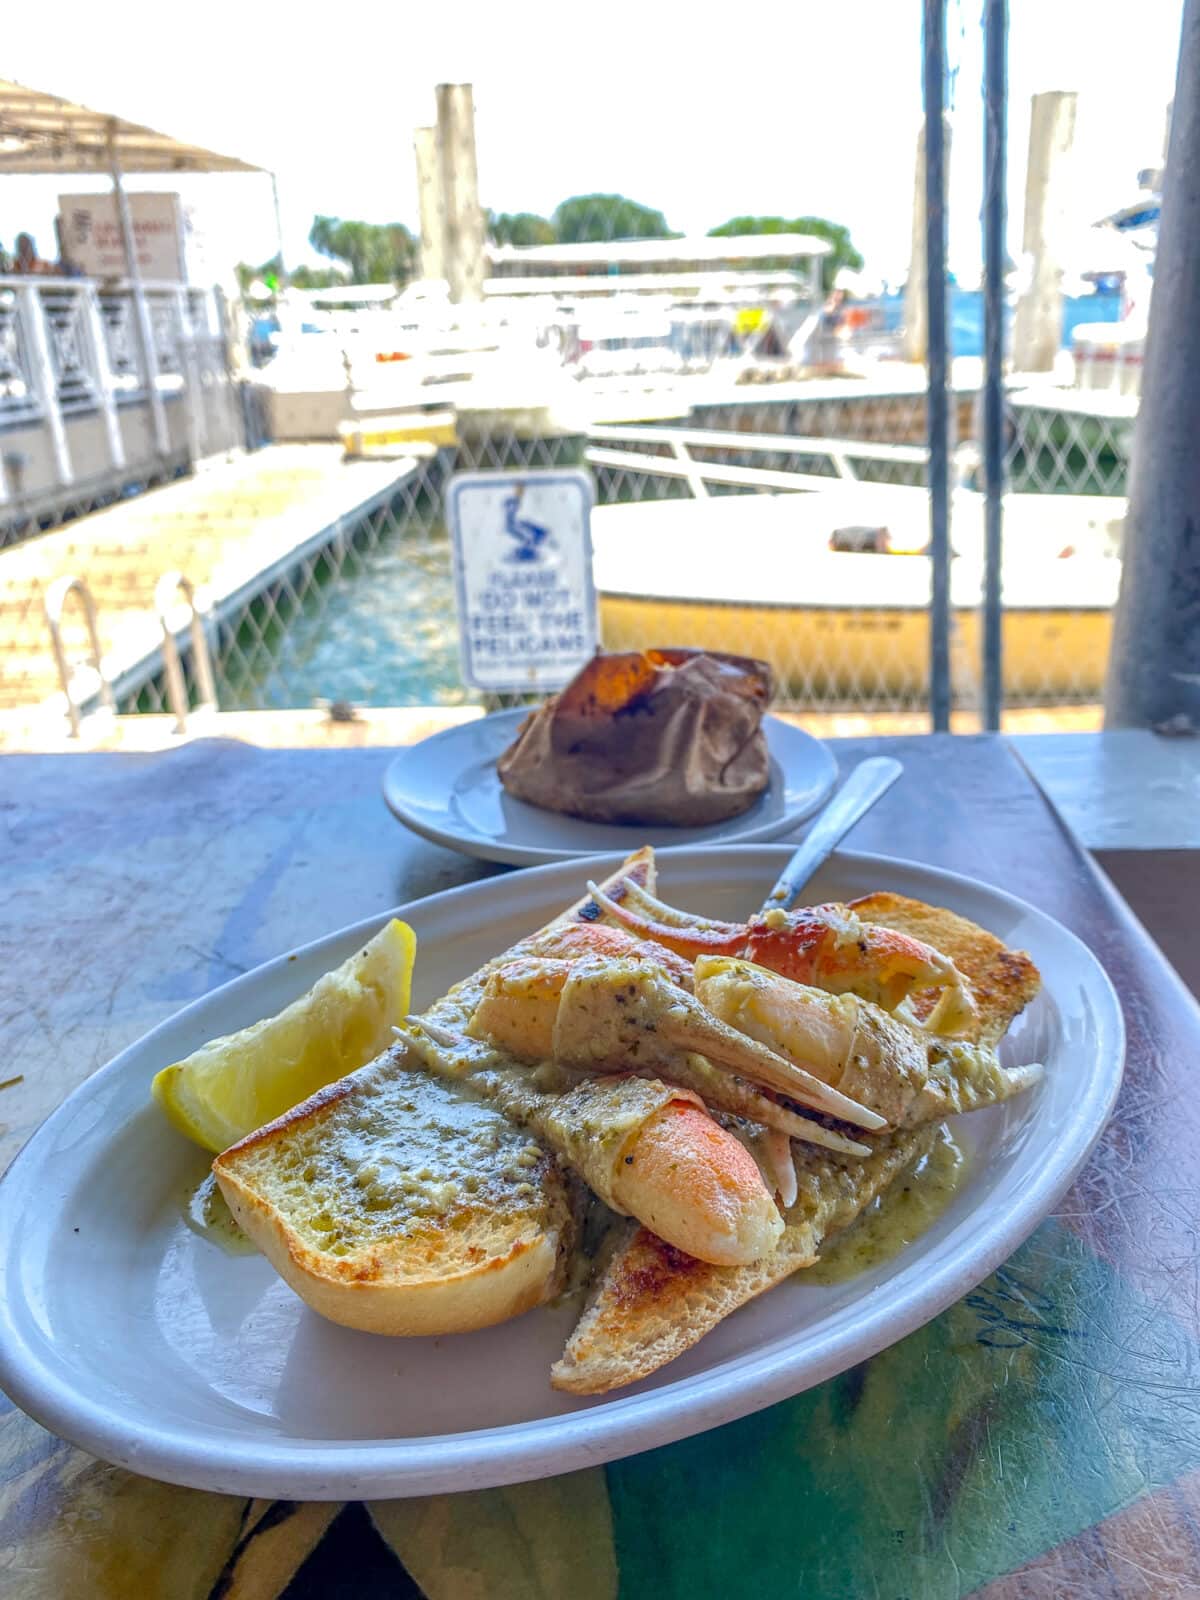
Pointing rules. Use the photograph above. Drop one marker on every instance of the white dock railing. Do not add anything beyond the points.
(85, 408)
(639, 450)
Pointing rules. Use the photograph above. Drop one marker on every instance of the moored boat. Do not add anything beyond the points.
(757, 574)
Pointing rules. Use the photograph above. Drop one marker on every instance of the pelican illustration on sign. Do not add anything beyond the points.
(529, 536)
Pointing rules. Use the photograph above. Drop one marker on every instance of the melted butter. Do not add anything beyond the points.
(207, 1213)
(900, 1215)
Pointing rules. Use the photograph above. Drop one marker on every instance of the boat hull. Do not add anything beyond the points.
(875, 656)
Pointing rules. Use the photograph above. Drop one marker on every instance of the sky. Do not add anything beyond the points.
(790, 108)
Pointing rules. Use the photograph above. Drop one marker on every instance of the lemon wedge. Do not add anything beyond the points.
(233, 1085)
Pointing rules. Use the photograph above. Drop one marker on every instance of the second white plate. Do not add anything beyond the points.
(447, 788)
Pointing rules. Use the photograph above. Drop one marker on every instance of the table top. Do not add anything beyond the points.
(1128, 789)
(1041, 1438)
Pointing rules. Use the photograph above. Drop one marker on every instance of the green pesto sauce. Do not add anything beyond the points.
(597, 1231)
(207, 1213)
(900, 1215)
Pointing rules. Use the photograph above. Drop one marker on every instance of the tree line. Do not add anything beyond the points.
(388, 252)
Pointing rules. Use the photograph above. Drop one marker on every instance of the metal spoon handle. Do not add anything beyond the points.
(869, 781)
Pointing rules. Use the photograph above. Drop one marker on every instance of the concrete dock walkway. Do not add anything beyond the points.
(228, 529)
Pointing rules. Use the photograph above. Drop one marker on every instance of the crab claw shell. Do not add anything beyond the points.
(626, 1015)
(696, 1186)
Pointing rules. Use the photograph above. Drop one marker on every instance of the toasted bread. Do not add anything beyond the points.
(393, 1203)
(465, 1219)
(651, 1303)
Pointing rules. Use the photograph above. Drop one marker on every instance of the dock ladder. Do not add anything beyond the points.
(54, 603)
(168, 606)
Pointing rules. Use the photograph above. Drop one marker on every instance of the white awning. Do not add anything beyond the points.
(42, 133)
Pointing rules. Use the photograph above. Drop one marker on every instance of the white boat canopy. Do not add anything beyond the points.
(43, 133)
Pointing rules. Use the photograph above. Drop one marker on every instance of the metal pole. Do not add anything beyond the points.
(106, 392)
(284, 280)
(936, 403)
(145, 333)
(33, 327)
(995, 142)
(1154, 667)
(197, 432)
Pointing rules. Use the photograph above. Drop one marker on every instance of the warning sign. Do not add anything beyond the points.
(523, 577)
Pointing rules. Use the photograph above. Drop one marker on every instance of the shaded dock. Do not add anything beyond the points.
(231, 529)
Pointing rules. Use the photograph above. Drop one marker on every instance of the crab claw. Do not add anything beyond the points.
(606, 1014)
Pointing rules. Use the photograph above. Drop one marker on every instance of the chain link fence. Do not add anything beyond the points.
(832, 525)
(803, 547)
(760, 471)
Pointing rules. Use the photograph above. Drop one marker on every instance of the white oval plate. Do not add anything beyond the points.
(447, 789)
(150, 1346)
